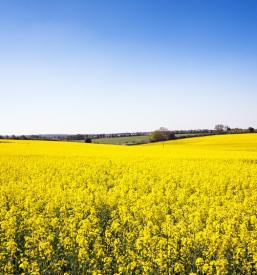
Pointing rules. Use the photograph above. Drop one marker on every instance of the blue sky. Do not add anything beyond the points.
(126, 65)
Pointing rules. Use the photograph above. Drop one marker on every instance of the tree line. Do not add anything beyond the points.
(161, 134)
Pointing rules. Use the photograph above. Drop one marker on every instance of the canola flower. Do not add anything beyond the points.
(188, 207)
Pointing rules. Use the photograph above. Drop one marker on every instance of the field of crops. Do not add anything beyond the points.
(180, 207)
(130, 140)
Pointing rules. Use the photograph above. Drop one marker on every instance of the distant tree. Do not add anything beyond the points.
(161, 135)
(170, 135)
(78, 137)
(221, 128)
(158, 136)
(251, 129)
(163, 129)
(88, 140)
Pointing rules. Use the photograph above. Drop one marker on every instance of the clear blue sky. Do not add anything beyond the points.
(126, 65)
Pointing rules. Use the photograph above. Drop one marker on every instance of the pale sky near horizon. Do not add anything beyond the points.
(134, 65)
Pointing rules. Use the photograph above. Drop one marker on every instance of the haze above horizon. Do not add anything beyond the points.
(125, 66)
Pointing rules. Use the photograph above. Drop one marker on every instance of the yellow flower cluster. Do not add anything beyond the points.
(181, 207)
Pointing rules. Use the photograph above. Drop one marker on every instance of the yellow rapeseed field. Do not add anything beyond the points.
(181, 207)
